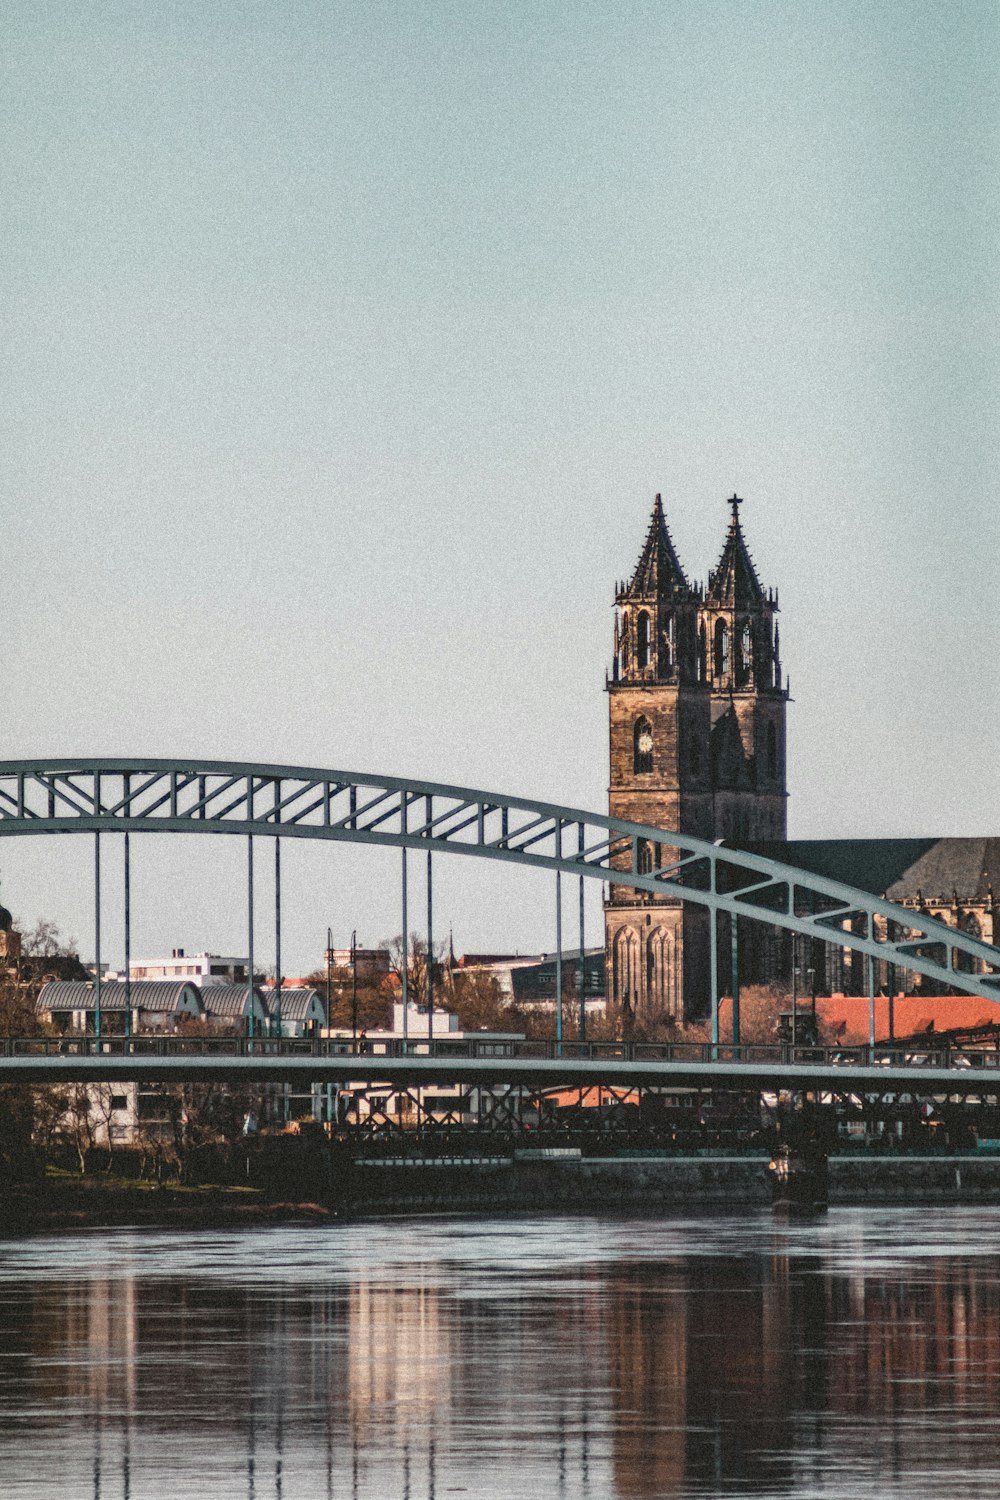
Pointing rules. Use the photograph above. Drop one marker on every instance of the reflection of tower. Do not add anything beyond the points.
(399, 1359)
(706, 1375)
(697, 739)
(647, 1350)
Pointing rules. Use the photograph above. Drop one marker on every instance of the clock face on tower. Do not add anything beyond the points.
(645, 743)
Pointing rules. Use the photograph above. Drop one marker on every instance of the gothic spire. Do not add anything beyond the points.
(734, 580)
(658, 570)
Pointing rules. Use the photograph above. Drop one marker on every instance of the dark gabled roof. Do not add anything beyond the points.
(734, 580)
(968, 867)
(658, 571)
(900, 869)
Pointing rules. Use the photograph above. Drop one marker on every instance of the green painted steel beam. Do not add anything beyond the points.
(225, 797)
(547, 1072)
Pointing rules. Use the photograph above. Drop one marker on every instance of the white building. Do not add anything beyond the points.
(202, 968)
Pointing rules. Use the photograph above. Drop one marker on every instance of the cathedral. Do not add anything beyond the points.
(697, 706)
(697, 729)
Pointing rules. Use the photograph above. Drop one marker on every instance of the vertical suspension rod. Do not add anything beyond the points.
(97, 936)
(128, 941)
(250, 1001)
(404, 958)
(277, 937)
(734, 959)
(430, 946)
(583, 977)
(559, 965)
(713, 975)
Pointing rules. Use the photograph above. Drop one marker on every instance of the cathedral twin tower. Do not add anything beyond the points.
(697, 711)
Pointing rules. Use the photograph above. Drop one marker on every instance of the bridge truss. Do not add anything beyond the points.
(127, 796)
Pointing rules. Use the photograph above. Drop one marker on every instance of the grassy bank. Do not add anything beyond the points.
(65, 1200)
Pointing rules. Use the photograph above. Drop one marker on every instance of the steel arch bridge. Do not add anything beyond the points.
(126, 795)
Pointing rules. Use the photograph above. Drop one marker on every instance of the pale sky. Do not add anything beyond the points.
(347, 346)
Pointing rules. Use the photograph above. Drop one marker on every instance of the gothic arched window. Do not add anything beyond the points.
(721, 648)
(645, 857)
(702, 653)
(623, 644)
(642, 640)
(746, 652)
(666, 662)
(660, 987)
(967, 923)
(642, 746)
(772, 752)
(626, 970)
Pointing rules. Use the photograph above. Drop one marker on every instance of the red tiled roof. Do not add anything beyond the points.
(847, 1015)
(592, 1097)
(911, 1014)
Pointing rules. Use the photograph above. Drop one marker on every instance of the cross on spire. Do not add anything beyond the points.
(734, 580)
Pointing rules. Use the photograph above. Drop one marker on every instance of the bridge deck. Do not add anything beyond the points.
(535, 1065)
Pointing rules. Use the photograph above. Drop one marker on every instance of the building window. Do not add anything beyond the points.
(667, 649)
(772, 752)
(624, 643)
(119, 1101)
(721, 648)
(626, 969)
(642, 640)
(746, 652)
(702, 653)
(642, 746)
(645, 857)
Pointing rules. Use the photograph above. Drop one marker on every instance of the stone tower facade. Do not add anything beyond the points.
(697, 729)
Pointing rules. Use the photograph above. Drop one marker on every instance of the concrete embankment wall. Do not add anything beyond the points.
(657, 1182)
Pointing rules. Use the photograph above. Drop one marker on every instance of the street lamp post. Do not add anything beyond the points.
(329, 974)
(795, 1002)
(354, 990)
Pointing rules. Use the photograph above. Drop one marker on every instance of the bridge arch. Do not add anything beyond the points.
(142, 795)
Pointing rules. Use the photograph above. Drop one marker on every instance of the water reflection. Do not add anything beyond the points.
(421, 1359)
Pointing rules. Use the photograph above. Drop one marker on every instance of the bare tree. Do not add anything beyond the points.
(18, 1015)
(416, 966)
(78, 1126)
(45, 940)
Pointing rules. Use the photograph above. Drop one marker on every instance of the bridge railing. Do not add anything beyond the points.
(368, 1050)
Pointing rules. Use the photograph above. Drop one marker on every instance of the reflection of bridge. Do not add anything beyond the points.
(278, 802)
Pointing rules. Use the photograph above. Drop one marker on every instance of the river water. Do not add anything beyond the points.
(857, 1354)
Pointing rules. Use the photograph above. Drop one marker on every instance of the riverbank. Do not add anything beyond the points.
(63, 1202)
(532, 1181)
